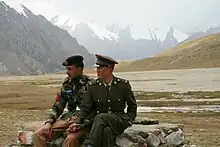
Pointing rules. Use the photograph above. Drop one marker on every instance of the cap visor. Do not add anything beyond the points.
(96, 65)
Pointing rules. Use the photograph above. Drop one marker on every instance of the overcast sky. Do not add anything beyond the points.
(186, 15)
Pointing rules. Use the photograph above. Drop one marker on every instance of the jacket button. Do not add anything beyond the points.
(98, 100)
(109, 108)
(109, 101)
(97, 111)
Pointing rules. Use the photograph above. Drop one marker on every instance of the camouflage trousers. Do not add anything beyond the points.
(58, 137)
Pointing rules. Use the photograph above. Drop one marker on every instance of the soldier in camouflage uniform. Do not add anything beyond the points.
(73, 87)
(108, 96)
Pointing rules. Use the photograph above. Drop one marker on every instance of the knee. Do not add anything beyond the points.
(71, 138)
(100, 118)
(107, 130)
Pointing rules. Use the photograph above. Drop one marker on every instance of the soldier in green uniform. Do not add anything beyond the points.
(108, 96)
(73, 87)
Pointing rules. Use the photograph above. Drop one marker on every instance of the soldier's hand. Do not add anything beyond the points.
(73, 128)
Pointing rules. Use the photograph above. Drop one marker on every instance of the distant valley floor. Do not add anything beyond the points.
(28, 98)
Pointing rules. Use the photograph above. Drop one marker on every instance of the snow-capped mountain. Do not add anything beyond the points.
(125, 43)
(30, 44)
(111, 31)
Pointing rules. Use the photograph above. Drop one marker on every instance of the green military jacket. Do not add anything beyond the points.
(103, 99)
(71, 95)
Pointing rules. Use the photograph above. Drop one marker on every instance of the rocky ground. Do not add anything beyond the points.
(26, 99)
(200, 129)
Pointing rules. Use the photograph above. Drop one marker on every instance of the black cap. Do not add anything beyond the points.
(104, 61)
(73, 60)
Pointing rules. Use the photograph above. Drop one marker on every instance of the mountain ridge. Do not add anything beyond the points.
(118, 42)
(30, 44)
(203, 52)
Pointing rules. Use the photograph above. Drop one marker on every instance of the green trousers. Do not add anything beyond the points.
(106, 127)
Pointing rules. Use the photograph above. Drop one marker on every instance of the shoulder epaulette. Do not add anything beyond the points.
(120, 80)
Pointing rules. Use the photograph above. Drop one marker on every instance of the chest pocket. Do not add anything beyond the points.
(70, 92)
(71, 96)
(118, 99)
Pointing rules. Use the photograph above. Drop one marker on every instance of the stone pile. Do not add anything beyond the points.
(143, 133)
(157, 135)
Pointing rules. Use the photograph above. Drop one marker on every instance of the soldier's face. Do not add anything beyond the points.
(72, 71)
(103, 72)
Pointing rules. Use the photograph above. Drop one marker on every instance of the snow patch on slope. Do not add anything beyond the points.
(102, 32)
(3, 3)
(16, 6)
(111, 32)
(155, 33)
(180, 36)
(65, 22)
(69, 24)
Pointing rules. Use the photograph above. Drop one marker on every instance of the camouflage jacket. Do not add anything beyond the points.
(71, 95)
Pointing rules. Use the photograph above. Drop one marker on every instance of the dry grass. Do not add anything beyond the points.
(26, 97)
(23, 100)
(199, 53)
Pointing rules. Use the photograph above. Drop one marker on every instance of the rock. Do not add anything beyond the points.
(163, 145)
(163, 134)
(157, 132)
(181, 127)
(123, 142)
(25, 137)
(153, 140)
(175, 138)
(169, 131)
(146, 121)
(133, 136)
(138, 135)
(169, 128)
(144, 134)
(162, 139)
(185, 145)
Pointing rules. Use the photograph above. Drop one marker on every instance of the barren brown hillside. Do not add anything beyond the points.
(199, 53)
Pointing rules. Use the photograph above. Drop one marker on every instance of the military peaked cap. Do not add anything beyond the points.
(104, 61)
(73, 60)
